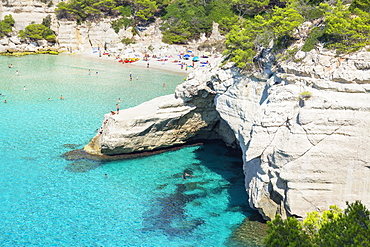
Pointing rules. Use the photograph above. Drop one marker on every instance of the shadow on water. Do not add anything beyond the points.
(171, 218)
(253, 229)
(231, 170)
(167, 212)
(83, 161)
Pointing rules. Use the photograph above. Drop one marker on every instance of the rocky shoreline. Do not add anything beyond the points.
(303, 136)
(302, 123)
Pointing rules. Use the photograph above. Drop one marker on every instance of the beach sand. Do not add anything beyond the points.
(172, 64)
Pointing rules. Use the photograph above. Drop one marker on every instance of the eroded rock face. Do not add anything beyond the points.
(162, 122)
(306, 156)
(305, 137)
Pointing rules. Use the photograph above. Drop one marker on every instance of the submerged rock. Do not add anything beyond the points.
(250, 233)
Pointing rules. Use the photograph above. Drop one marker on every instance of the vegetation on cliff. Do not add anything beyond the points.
(344, 27)
(331, 228)
(35, 32)
(247, 24)
(6, 26)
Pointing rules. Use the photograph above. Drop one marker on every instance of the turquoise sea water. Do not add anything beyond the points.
(46, 200)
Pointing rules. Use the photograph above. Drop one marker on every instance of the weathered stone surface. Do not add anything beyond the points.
(27, 12)
(302, 159)
(300, 153)
(4, 41)
(162, 122)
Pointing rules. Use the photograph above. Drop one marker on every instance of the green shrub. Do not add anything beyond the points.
(121, 23)
(37, 32)
(331, 228)
(313, 38)
(348, 29)
(127, 41)
(6, 26)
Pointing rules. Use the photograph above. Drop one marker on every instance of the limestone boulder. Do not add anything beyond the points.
(162, 122)
(3, 48)
(30, 48)
(15, 40)
(4, 41)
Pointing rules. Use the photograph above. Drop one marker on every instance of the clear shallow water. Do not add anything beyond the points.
(46, 200)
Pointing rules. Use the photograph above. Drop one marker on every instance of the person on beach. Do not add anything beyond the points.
(16, 72)
(117, 107)
(4, 101)
(61, 97)
(164, 85)
(24, 88)
(119, 100)
(89, 73)
(130, 76)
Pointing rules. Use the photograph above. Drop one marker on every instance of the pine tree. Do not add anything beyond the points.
(286, 233)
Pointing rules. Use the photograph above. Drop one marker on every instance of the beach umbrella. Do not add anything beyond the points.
(195, 58)
(186, 56)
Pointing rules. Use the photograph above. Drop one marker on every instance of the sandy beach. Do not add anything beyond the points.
(171, 63)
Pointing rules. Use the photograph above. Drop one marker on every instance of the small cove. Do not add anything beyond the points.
(49, 201)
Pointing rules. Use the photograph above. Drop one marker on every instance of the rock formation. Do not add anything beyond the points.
(302, 124)
(303, 128)
(308, 145)
(86, 36)
(174, 119)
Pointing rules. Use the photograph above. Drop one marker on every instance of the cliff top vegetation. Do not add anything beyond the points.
(331, 228)
(247, 24)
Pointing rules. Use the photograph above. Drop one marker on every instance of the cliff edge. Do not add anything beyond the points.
(303, 127)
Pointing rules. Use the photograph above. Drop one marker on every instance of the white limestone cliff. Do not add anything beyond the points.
(86, 36)
(304, 137)
(303, 151)
(159, 123)
(303, 126)
(306, 153)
